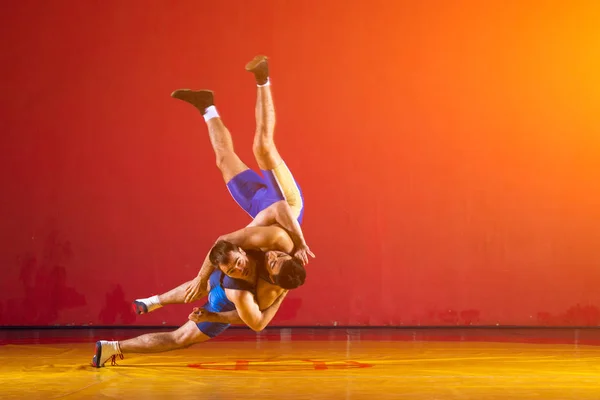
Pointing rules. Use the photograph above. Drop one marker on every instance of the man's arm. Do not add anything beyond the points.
(199, 284)
(280, 213)
(232, 317)
(261, 237)
(248, 310)
(225, 317)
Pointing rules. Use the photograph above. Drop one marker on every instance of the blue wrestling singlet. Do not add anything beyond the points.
(254, 193)
(218, 301)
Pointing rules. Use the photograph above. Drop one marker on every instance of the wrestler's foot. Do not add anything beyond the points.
(105, 351)
(259, 66)
(144, 306)
(201, 99)
(139, 307)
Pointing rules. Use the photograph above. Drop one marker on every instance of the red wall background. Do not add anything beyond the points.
(449, 154)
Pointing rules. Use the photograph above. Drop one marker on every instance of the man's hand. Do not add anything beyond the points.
(302, 254)
(198, 315)
(195, 289)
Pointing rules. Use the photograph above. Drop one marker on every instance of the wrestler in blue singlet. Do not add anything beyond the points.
(217, 299)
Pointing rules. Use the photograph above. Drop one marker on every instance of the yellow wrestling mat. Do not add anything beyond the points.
(278, 366)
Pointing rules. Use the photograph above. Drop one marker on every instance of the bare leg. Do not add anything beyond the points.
(177, 295)
(228, 162)
(173, 296)
(264, 148)
(187, 335)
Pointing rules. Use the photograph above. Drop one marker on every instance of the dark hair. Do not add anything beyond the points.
(291, 275)
(221, 252)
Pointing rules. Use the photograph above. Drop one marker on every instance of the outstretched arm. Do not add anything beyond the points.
(280, 213)
(233, 317)
(247, 311)
(225, 317)
(261, 237)
(199, 284)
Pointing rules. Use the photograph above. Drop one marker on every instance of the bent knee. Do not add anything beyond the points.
(222, 160)
(182, 341)
(264, 148)
(267, 158)
(187, 337)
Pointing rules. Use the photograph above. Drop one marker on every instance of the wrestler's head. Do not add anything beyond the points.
(230, 259)
(285, 270)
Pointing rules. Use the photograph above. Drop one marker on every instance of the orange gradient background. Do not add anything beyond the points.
(449, 154)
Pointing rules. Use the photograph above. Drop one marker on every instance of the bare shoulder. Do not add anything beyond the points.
(274, 237)
(284, 240)
(237, 295)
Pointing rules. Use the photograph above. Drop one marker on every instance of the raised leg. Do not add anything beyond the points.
(173, 296)
(265, 152)
(220, 138)
(264, 148)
